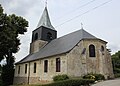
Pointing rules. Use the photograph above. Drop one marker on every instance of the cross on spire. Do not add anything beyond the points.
(46, 3)
(81, 26)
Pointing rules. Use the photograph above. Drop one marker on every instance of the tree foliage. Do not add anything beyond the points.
(116, 63)
(10, 28)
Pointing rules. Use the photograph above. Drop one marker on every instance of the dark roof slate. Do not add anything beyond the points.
(59, 45)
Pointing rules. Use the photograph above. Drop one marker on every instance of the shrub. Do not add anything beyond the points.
(72, 82)
(99, 77)
(116, 70)
(117, 75)
(89, 76)
(94, 76)
(60, 77)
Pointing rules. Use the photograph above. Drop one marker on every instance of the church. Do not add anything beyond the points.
(75, 54)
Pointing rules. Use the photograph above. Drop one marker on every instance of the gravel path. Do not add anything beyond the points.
(115, 82)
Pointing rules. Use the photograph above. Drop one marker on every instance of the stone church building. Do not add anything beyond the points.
(74, 54)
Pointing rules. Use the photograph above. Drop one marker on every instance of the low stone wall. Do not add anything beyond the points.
(20, 80)
(32, 80)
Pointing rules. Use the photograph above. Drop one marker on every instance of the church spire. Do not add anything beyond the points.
(45, 20)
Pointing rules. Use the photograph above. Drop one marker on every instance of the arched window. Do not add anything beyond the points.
(58, 64)
(18, 69)
(102, 48)
(49, 36)
(35, 66)
(46, 66)
(25, 68)
(36, 36)
(91, 51)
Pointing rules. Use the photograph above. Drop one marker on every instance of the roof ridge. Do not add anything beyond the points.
(69, 34)
(82, 33)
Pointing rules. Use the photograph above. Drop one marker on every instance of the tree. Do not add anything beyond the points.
(11, 26)
(116, 63)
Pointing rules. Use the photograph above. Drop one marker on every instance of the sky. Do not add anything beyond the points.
(101, 18)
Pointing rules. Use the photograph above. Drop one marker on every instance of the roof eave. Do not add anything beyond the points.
(42, 58)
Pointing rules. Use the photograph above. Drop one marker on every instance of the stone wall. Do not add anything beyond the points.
(40, 76)
(20, 80)
(36, 45)
(80, 64)
(109, 66)
(74, 63)
(95, 64)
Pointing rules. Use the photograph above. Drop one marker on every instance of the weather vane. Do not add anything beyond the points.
(46, 3)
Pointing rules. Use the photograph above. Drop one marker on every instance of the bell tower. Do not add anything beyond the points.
(43, 34)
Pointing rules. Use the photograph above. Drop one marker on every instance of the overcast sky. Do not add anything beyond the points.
(99, 17)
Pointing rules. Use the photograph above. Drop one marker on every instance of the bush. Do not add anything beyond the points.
(117, 75)
(0, 81)
(96, 77)
(60, 77)
(89, 76)
(99, 77)
(72, 82)
(116, 70)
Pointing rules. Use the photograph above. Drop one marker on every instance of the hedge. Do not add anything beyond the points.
(72, 82)
(96, 77)
(60, 77)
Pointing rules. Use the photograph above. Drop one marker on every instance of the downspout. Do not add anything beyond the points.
(29, 74)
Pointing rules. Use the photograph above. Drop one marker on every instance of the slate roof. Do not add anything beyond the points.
(60, 45)
(45, 20)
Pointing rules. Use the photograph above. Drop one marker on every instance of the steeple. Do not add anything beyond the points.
(45, 20)
(44, 33)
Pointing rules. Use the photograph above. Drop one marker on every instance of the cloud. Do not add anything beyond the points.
(102, 22)
(19, 7)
